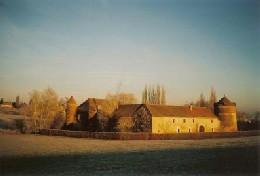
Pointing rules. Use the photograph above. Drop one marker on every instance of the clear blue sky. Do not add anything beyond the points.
(88, 48)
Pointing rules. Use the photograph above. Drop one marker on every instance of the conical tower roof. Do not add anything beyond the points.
(72, 100)
(225, 102)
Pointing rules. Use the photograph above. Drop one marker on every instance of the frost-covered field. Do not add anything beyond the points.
(49, 155)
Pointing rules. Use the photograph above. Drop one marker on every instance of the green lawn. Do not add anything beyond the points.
(47, 155)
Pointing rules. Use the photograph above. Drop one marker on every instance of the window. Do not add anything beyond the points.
(189, 130)
(184, 120)
(212, 130)
(211, 120)
(178, 130)
(193, 120)
(173, 120)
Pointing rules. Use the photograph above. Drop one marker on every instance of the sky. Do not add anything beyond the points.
(87, 48)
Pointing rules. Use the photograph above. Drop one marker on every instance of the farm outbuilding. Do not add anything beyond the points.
(95, 114)
(177, 119)
(166, 119)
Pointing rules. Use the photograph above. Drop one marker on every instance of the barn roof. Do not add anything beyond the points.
(165, 111)
(179, 111)
(127, 110)
(202, 112)
(92, 105)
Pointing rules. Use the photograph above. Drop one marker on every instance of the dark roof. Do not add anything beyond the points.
(83, 106)
(92, 105)
(127, 110)
(225, 102)
(93, 102)
(165, 111)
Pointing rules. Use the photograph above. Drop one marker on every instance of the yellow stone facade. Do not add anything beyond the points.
(184, 125)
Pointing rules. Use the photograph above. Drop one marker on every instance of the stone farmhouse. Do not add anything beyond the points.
(95, 114)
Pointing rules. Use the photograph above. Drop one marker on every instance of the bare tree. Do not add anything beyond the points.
(122, 98)
(153, 95)
(34, 107)
(158, 94)
(163, 99)
(201, 102)
(17, 102)
(44, 107)
(212, 99)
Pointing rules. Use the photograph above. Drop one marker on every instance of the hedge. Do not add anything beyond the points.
(146, 136)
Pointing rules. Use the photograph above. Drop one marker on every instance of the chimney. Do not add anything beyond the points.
(190, 107)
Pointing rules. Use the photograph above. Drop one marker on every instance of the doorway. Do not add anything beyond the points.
(201, 129)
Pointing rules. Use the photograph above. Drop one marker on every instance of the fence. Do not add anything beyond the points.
(146, 136)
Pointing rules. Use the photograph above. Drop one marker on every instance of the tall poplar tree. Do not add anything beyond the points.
(212, 98)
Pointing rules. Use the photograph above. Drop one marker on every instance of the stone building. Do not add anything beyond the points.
(125, 116)
(177, 119)
(226, 112)
(93, 114)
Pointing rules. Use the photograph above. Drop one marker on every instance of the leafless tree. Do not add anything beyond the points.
(163, 98)
(45, 107)
(212, 99)
(122, 98)
(153, 95)
(201, 102)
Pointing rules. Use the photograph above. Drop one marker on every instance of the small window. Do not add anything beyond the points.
(211, 120)
(173, 120)
(189, 130)
(178, 130)
(193, 120)
(184, 120)
(212, 130)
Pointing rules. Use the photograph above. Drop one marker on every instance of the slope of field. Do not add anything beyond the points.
(49, 155)
(16, 123)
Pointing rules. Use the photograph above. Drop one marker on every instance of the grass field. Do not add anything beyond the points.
(49, 155)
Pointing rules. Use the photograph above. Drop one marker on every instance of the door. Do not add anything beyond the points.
(202, 129)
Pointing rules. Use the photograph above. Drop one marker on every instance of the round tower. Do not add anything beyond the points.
(226, 112)
(71, 111)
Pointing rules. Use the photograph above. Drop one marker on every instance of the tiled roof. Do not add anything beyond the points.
(127, 110)
(179, 111)
(165, 111)
(83, 106)
(169, 111)
(202, 112)
(225, 102)
(92, 105)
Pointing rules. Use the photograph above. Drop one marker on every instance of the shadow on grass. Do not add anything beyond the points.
(213, 161)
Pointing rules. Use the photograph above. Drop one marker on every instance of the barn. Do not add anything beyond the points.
(166, 119)
(177, 119)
